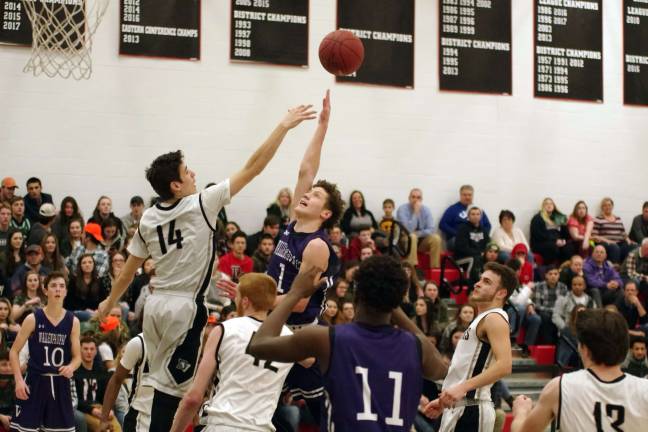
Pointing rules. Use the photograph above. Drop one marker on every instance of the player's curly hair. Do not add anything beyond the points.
(163, 170)
(334, 202)
(381, 283)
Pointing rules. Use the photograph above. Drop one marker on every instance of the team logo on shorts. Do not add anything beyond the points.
(183, 365)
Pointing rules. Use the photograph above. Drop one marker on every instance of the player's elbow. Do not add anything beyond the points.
(505, 368)
(192, 400)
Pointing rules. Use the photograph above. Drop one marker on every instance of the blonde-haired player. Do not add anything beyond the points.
(247, 389)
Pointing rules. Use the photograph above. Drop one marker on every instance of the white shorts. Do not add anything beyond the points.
(473, 418)
(173, 329)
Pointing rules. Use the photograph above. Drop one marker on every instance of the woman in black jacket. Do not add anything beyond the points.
(549, 234)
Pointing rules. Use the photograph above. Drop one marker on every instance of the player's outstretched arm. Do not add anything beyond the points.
(496, 330)
(434, 367)
(206, 369)
(311, 161)
(528, 418)
(121, 284)
(267, 344)
(260, 158)
(28, 326)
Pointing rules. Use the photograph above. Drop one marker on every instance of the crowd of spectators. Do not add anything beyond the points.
(569, 262)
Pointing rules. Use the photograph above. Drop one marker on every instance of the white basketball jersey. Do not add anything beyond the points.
(180, 238)
(247, 389)
(589, 404)
(140, 397)
(472, 357)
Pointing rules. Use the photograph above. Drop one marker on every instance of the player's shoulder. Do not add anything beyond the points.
(316, 245)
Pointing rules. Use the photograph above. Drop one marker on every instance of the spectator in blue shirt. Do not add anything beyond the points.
(417, 218)
(457, 214)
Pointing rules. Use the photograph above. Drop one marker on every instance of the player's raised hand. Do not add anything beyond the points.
(305, 284)
(326, 108)
(227, 287)
(297, 115)
(22, 391)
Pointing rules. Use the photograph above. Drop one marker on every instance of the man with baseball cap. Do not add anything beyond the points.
(131, 220)
(40, 229)
(33, 262)
(8, 190)
(92, 244)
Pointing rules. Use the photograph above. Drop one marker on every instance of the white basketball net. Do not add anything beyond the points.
(62, 36)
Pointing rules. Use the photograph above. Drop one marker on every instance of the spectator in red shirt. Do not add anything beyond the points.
(362, 240)
(235, 263)
(520, 252)
(580, 225)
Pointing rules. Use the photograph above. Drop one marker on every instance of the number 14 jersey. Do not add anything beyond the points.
(180, 239)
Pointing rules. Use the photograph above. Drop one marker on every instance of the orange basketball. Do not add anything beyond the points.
(341, 52)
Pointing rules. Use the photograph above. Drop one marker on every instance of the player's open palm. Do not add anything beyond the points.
(22, 391)
(297, 115)
(326, 108)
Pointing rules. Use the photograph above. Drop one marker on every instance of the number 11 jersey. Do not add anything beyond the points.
(180, 239)
(374, 379)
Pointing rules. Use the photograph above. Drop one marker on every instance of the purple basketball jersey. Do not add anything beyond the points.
(49, 345)
(286, 261)
(374, 379)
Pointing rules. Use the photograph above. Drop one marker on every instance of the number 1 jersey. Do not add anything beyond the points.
(180, 239)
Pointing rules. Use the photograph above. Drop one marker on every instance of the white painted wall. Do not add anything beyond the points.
(96, 137)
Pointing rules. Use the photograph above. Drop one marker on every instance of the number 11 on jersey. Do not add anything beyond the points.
(366, 414)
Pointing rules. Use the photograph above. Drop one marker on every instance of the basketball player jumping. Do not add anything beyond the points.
(373, 372)
(598, 398)
(482, 357)
(178, 233)
(304, 244)
(247, 389)
(44, 399)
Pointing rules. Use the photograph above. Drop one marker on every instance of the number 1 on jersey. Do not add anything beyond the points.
(175, 237)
